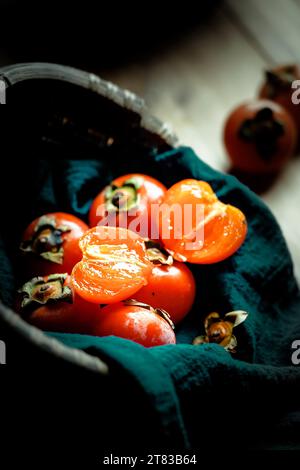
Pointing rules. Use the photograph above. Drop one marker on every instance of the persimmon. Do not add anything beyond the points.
(208, 232)
(114, 265)
(50, 303)
(171, 284)
(278, 87)
(136, 321)
(50, 244)
(126, 200)
(260, 137)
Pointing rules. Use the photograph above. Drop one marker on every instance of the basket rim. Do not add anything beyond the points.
(16, 73)
(51, 345)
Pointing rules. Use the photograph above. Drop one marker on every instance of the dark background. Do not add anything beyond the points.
(192, 63)
(92, 34)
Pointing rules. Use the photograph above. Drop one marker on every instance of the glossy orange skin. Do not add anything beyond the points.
(171, 288)
(111, 269)
(76, 317)
(283, 96)
(225, 226)
(36, 265)
(151, 192)
(135, 323)
(243, 155)
(154, 189)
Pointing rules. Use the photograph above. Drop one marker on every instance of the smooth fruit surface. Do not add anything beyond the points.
(260, 137)
(171, 288)
(135, 323)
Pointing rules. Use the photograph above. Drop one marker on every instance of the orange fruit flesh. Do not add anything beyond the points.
(224, 233)
(213, 236)
(111, 269)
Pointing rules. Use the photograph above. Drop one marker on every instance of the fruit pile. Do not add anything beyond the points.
(127, 274)
(260, 136)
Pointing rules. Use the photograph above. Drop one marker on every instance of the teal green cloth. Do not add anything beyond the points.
(194, 389)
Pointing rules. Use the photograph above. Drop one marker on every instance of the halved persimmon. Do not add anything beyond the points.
(114, 265)
(196, 227)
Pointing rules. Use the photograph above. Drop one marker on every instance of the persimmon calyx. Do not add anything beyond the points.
(219, 330)
(157, 254)
(280, 79)
(41, 290)
(263, 130)
(46, 240)
(123, 198)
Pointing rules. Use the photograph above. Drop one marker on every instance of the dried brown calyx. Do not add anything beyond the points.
(280, 79)
(41, 290)
(125, 197)
(47, 240)
(263, 130)
(157, 254)
(159, 311)
(220, 330)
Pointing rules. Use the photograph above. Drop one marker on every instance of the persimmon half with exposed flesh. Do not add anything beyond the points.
(114, 265)
(201, 229)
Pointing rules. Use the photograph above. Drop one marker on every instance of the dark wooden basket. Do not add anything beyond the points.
(93, 104)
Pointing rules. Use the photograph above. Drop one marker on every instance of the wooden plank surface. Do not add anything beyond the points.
(195, 83)
(272, 26)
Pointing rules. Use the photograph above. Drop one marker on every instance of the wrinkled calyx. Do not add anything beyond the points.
(159, 311)
(220, 330)
(157, 254)
(47, 240)
(282, 79)
(264, 131)
(41, 290)
(124, 197)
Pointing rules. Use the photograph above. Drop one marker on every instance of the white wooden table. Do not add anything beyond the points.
(195, 84)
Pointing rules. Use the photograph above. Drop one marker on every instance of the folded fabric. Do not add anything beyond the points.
(203, 394)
